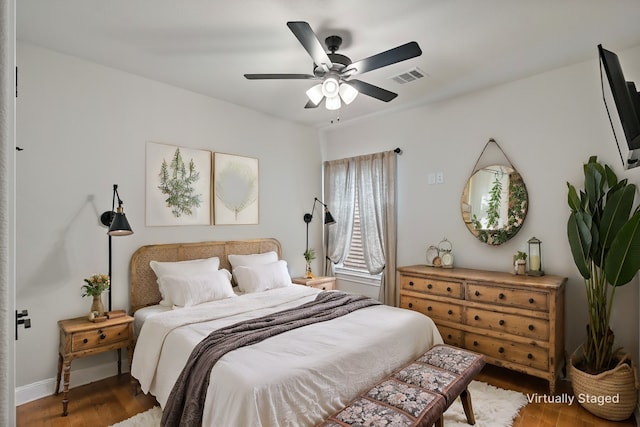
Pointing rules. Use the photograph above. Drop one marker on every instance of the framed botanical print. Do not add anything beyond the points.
(235, 189)
(178, 185)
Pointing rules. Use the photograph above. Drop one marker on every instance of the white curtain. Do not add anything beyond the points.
(7, 147)
(374, 176)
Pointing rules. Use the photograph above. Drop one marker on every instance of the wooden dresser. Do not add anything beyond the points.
(516, 321)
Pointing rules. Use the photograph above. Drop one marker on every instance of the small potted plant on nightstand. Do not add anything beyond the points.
(94, 286)
(309, 255)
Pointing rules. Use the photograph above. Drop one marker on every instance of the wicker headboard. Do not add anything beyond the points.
(144, 288)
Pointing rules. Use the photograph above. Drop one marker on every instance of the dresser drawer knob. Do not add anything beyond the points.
(448, 288)
(84, 341)
(449, 336)
(429, 308)
(531, 300)
(324, 288)
(102, 336)
(529, 356)
(410, 305)
(476, 317)
(450, 312)
(475, 343)
(501, 350)
(501, 296)
(477, 293)
(531, 328)
(410, 283)
(429, 286)
(501, 322)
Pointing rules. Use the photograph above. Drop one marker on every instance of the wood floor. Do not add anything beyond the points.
(109, 401)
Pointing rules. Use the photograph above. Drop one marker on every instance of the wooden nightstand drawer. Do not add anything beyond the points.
(509, 323)
(433, 309)
(96, 338)
(432, 286)
(506, 296)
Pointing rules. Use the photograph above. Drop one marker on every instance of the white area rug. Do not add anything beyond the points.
(492, 406)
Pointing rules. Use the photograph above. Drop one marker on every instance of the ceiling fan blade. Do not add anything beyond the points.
(310, 104)
(392, 56)
(280, 76)
(310, 42)
(373, 91)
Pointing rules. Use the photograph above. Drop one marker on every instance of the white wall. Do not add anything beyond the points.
(548, 125)
(83, 128)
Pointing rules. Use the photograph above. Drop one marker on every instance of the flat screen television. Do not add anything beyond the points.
(627, 102)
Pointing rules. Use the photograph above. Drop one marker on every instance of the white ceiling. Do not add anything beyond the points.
(206, 46)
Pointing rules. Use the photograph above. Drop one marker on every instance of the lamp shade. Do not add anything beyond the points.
(328, 218)
(348, 93)
(315, 94)
(330, 87)
(333, 103)
(119, 225)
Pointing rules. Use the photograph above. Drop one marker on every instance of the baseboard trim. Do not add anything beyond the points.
(38, 390)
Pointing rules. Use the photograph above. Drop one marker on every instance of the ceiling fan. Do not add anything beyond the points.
(336, 70)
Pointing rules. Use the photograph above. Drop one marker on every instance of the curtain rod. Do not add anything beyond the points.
(398, 150)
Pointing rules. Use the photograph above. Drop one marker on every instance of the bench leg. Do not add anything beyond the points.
(465, 396)
(440, 421)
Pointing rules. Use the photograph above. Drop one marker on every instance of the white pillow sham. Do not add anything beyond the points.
(258, 278)
(189, 268)
(249, 260)
(197, 289)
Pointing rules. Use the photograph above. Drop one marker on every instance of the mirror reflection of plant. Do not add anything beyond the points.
(495, 198)
(177, 183)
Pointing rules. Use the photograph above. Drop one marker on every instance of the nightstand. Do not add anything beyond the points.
(320, 282)
(80, 337)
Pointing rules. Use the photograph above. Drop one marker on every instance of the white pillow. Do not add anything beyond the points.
(193, 290)
(249, 260)
(189, 268)
(258, 278)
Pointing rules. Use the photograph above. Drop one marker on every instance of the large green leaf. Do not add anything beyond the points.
(616, 213)
(592, 185)
(579, 235)
(572, 198)
(623, 259)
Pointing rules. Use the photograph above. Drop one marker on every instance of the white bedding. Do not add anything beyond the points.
(294, 379)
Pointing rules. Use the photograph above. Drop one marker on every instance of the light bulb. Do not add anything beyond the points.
(330, 87)
(333, 103)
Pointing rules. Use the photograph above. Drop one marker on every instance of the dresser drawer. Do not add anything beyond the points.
(451, 336)
(100, 337)
(432, 286)
(509, 323)
(533, 300)
(433, 309)
(522, 354)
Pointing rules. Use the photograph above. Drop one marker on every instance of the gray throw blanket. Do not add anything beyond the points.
(186, 401)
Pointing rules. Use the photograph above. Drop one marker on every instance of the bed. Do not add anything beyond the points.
(296, 378)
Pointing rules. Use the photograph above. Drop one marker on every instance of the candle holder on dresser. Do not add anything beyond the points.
(535, 257)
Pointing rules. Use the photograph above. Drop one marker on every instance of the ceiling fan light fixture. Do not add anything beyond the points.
(331, 87)
(315, 94)
(333, 103)
(348, 93)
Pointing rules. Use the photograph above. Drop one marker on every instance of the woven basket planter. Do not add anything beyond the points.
(612, 394)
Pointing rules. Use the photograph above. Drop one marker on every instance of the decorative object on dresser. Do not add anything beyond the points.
(604, 235)
(118, 226)
(320, 282)
(309, 254)
(494, 201)
(80, 338)
(516, 321)
(520, 262)
(535, 257)
(445, 253)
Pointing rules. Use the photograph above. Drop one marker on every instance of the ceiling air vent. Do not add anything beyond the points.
(409, 76)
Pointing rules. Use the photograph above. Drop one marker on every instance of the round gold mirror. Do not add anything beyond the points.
(494, 204)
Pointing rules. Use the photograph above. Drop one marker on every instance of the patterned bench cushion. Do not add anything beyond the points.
(415, 395)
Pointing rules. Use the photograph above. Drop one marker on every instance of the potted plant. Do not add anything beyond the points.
(309, 255)
(520, 260)
(604, 235)
(94, 286)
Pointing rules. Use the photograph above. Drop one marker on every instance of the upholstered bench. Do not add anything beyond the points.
(417, 394)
